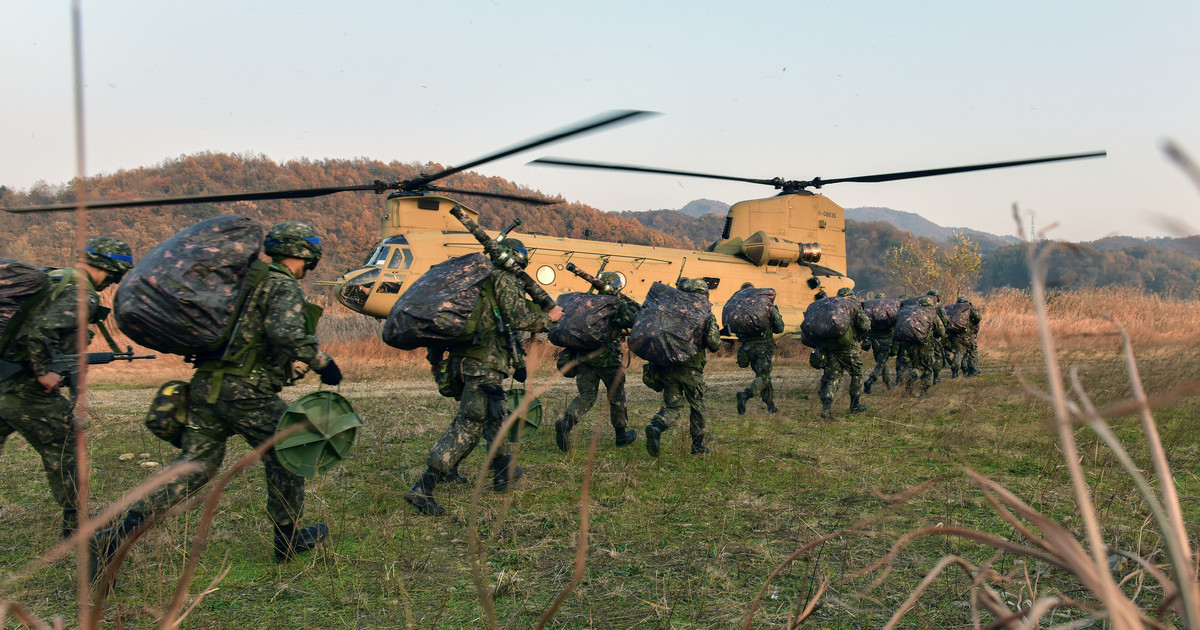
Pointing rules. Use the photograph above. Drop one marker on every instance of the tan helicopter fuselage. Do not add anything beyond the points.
(793, 243)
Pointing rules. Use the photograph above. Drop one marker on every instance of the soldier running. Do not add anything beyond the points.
(31, 399)
(603, 365)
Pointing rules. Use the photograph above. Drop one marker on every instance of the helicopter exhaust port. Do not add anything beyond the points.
(762, 249)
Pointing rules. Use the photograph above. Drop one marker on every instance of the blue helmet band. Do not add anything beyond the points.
(315, 240)
(117, 257)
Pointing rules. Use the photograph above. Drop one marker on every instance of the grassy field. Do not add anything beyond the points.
(673, 542)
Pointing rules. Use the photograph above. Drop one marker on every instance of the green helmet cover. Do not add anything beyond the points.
(109, 254)
(293, 239)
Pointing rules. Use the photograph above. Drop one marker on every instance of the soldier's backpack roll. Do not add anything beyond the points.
(748, 312)
(827, 319)
(20, 282)
(183, 296)
(668, 328)
(914, 324)
(584, 324)
(440, 307)
(882, 312)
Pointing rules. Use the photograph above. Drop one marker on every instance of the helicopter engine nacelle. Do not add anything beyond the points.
(762, 249)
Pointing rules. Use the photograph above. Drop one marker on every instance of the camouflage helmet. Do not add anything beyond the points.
(933, 293)
(747, 285)
(612, 279)
(692, 285)
(109, 254)
(845, 292)
(963, 300)
(517, 248)
(880, 296)
(925, 301)
(293, 239)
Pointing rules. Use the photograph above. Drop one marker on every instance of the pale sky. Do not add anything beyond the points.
(754, 89)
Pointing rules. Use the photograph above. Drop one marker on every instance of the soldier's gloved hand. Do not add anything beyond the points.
(520, 374)
(330, 374)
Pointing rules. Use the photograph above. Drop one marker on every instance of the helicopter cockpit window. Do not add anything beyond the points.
(380, 255)
(545, 274)
(356, 290)
(390, 284)
(403, 257)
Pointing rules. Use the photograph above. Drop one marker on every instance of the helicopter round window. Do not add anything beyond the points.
(545, 274)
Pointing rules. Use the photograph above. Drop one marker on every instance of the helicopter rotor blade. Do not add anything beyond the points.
(537, 201)
(551, 161)
(294, 193)
(592, 124)
(890, 177)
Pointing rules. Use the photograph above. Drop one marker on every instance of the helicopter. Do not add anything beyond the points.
(793, 242)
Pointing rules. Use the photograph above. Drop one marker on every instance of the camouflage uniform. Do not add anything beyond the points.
(605, 366)
(482, 366)
(237, 392)
(963, 346)
(941, 352)
(274, 331)
(924, 356)
(684, 384)
(842, 355)
(46, 419)
(760, 351)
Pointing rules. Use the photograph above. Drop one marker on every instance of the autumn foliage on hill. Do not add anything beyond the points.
(349, 222)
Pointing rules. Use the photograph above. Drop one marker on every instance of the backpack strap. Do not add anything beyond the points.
(239, 363)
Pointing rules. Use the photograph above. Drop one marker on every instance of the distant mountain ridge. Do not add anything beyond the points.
(921, 227)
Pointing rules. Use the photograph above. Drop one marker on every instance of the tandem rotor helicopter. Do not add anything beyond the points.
(793, 242)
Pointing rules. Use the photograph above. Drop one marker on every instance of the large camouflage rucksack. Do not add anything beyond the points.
(442, 307)
(748, 312)
(184, 296)
(882, 313)
(669, 328)
(827, 319)
(958, 316)
(584, 324)
(21, 287)
(915, 323)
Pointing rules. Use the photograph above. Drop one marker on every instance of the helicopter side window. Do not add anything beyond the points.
(408, 257)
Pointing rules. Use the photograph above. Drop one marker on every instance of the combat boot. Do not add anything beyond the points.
(289, 541)
(562, 434)
(856, 406)
(953, 372)
(867, 385)
(698, 447)
(70, 522)
(500, 473)
(771, 408)
(452, 477)
(627, 437)
(826, 410)
(420, 495)
(742, 397)
(653, 434)
(105, 543)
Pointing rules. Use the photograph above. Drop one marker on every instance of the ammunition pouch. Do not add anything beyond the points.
(652, 378)
(743, 357)
(566, 359)
(816, 360)
(449, 377)
(167, 415)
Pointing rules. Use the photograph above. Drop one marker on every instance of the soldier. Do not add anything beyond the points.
(923, 356)
(685, 383)
(760, 351)
(228, 397)
(963, 345)
(603, 365)
(842, 355)
(31, 402)
(483, 364)
(941, 354)
(880, 345)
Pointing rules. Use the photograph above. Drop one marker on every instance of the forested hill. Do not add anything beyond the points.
(349, 222)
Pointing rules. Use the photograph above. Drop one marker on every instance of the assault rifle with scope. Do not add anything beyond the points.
(502, 257)
(600, 286)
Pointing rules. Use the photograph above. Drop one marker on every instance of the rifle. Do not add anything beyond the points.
(600, 286)
(501, 257)
(100, 358)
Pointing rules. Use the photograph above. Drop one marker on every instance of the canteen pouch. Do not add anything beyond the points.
(168, 412)
(449, 380)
